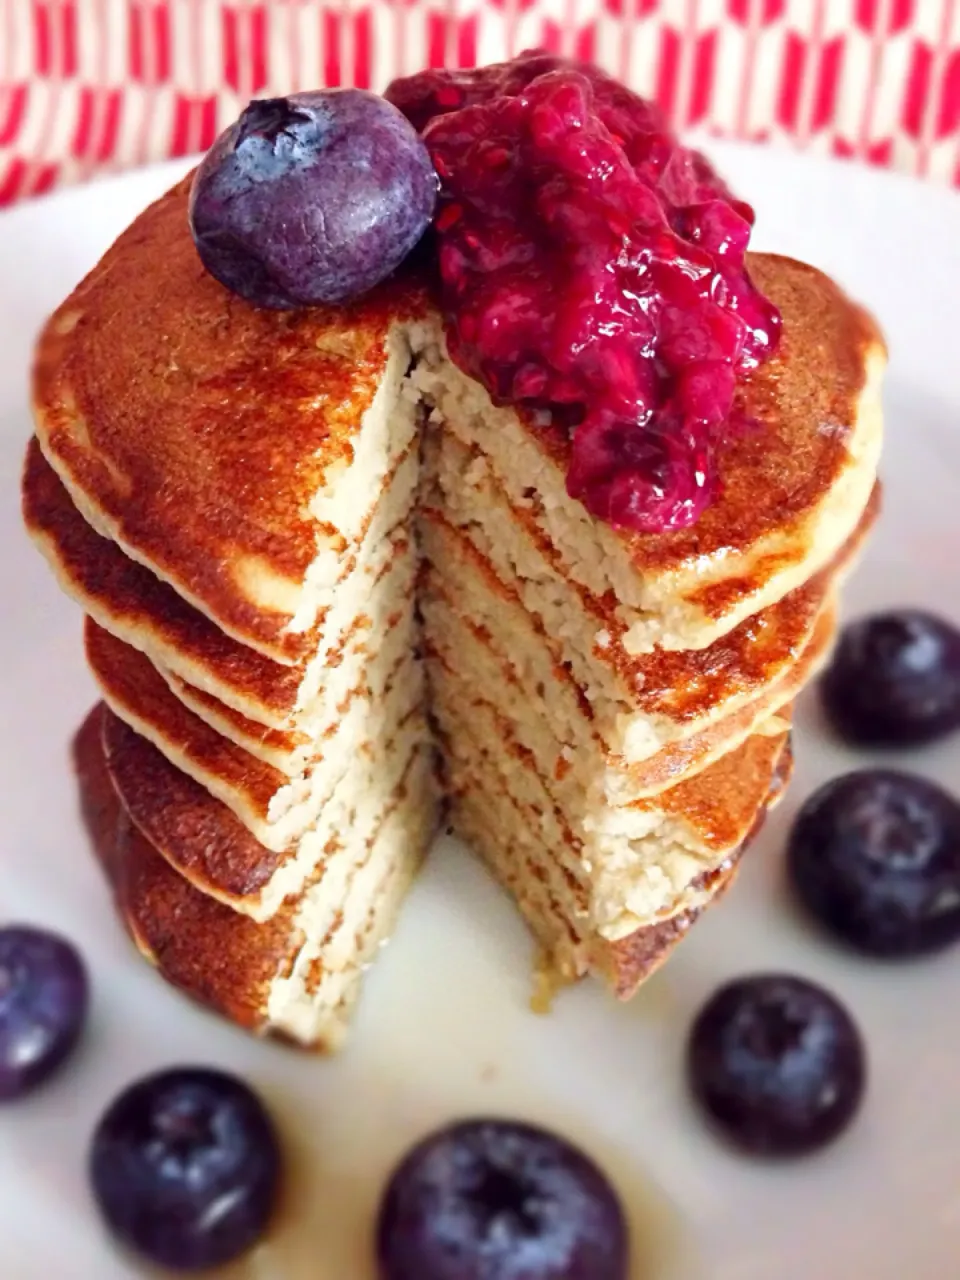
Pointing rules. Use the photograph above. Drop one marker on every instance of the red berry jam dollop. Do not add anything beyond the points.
(592, 267)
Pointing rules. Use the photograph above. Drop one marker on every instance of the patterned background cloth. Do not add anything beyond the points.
(91, 85)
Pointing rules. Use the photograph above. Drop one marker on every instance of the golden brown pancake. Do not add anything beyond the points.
(199, 944)
(239, 968)
(197, 429)
(629, 962)
(133, 603)
(137, 693)
(206, 843)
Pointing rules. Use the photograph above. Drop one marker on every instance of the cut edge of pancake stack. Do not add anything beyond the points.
(263, 722)
(322, 573)
(611, 781)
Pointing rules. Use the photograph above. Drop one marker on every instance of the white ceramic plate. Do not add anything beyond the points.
(444, 1028)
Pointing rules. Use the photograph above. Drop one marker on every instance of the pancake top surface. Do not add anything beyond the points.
(798, 413)
(198, 424)
(198, 427)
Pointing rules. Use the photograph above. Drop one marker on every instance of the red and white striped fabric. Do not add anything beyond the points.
(88, 85)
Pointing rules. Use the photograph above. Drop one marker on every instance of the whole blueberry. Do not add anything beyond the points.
(777, 1063)
(185, 1167)
(875, 857)
(495, 1200)
(43, 1005)
(895, 680)
(314, 198)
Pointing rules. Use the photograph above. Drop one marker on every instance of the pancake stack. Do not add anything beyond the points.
(327, 580)
(229, 495)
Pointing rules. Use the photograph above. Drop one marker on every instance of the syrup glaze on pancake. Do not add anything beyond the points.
(199, 428)
(196, 429)
(227, 961)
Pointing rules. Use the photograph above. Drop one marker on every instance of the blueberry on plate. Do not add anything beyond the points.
(894, 680)
(875, 857)
(777, 1063)
(314, 198)
(495, 1200)
(43, 1005)
(185, 1167)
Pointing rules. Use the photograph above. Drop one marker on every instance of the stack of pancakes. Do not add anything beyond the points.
(323, 573)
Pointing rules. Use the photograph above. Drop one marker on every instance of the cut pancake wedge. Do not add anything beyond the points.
(495, 570)
(624, 867)
(561, 906)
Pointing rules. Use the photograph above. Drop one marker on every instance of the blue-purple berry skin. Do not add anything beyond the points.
(777, 1064)
(495, 1200)
(44, 994)
(310, 199)
(874, 856)
(894, 680)
(185, 1168)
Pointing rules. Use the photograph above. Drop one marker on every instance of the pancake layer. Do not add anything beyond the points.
(297, 974)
